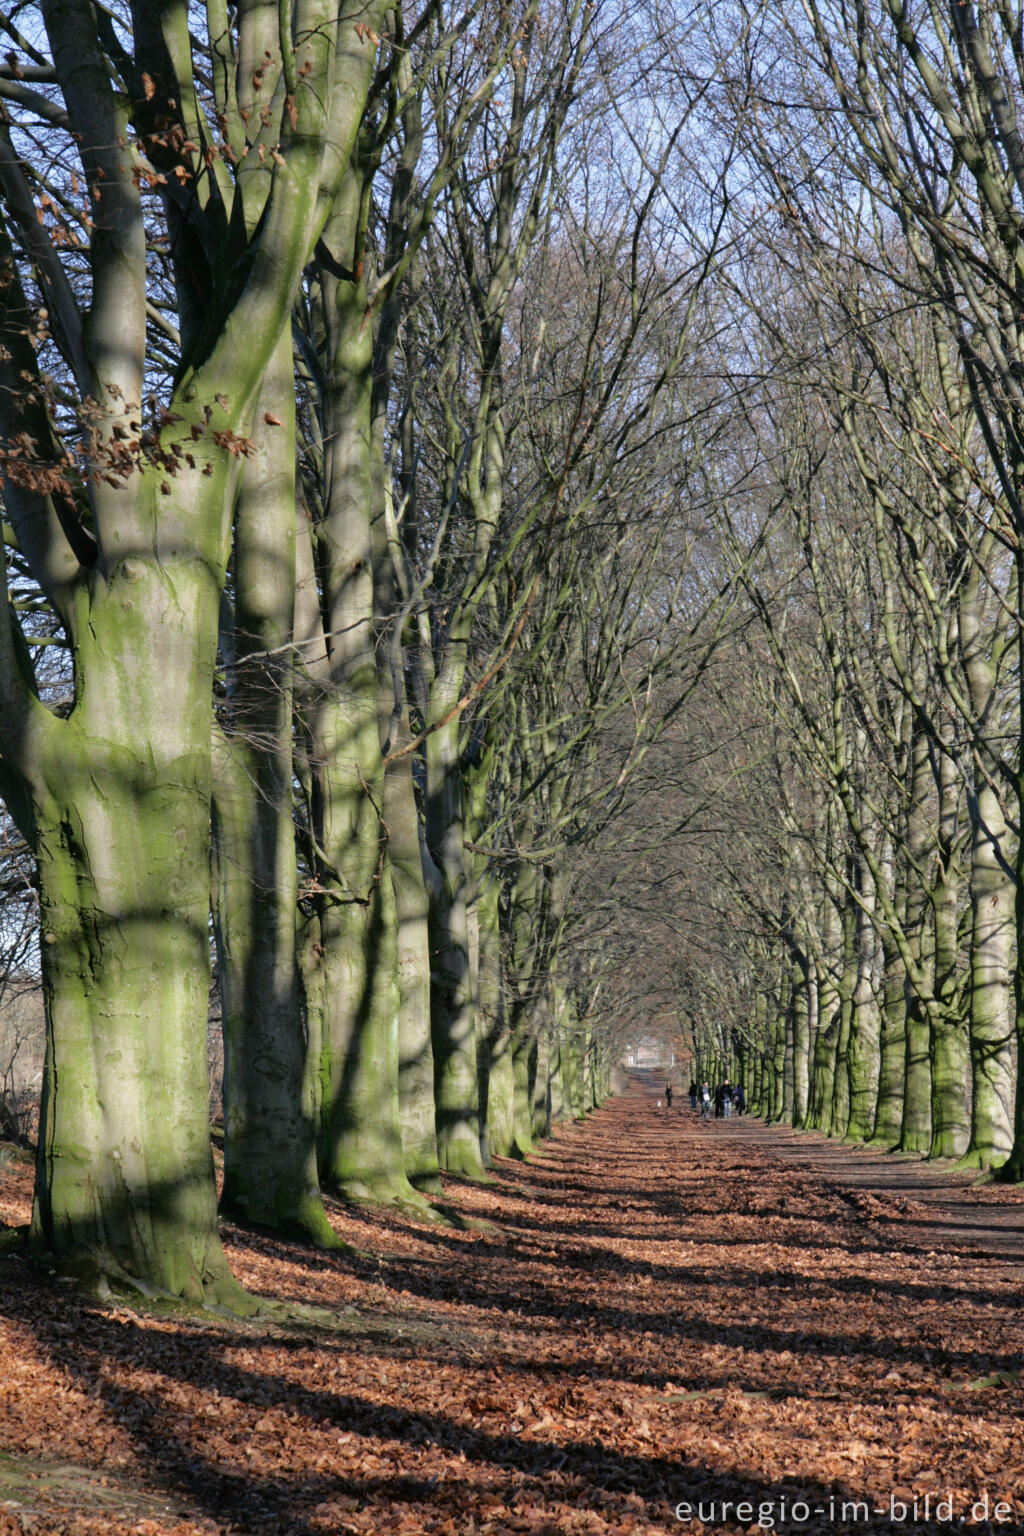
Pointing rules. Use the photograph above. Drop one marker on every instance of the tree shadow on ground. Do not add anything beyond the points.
(513, 1467)
(543, 1374)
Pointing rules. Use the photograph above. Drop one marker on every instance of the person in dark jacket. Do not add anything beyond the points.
(719, 1100)
(727, 1097)
(668, 1095)
(694, 1090)
(739, 1099)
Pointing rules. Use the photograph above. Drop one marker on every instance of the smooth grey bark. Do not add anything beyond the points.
(798, 1040)
(950, 1060)
(863, 1057)
(356, 952)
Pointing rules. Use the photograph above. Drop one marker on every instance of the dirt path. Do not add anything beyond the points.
(927, 1201)
(662, 1319)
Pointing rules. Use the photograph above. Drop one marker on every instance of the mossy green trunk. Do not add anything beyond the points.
(916, 1123)
(950, 1074)
(587, 1055)
(121, 790)
(362, 1152)
(950, 1050)
(412, 911)
(523, 1073)
(560, 1067)
(572, 1065)
(501, 1096)
(453, 1021)
(122, 817)
(824, 1069)
(556, 1073)
(864, 1063)
(760, 1102)
(541, 1084)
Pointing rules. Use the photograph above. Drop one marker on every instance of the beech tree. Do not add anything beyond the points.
(878, 311)
(928, 96)
(197, 159)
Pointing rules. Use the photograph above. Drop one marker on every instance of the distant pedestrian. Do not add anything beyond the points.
(668, 1095)
(727, 1096)
(739, 1098)
(694, 1091)
(705, 1101)
(719, 1101)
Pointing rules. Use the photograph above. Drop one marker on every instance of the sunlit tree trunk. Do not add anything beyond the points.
(412, 908)
(362, 1150)
(892, 1043)
(950, 1061)
(121, 825)
(1012, 1171)
(992, 892)
(863, 1056)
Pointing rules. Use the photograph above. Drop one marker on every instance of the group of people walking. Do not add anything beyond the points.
(723, 1099)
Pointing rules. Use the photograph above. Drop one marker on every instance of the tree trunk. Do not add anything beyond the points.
(494, 1061)
(992, 933)
(270, 1167)
(1012, 1171)
(801, 1010)
(412, 910)
(916, 1125)
(850, 964)
(541, 1084)
(270, 1173)
(893, 1044)
(500, 1095)
(125, 1170)
(991, 1035)
(950, 1058)
(780, 1110)
(362, 1149)
(523, 1072)
(452, 1003)
(864, 1052)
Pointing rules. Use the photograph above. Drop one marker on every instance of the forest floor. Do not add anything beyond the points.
(656, 1325)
